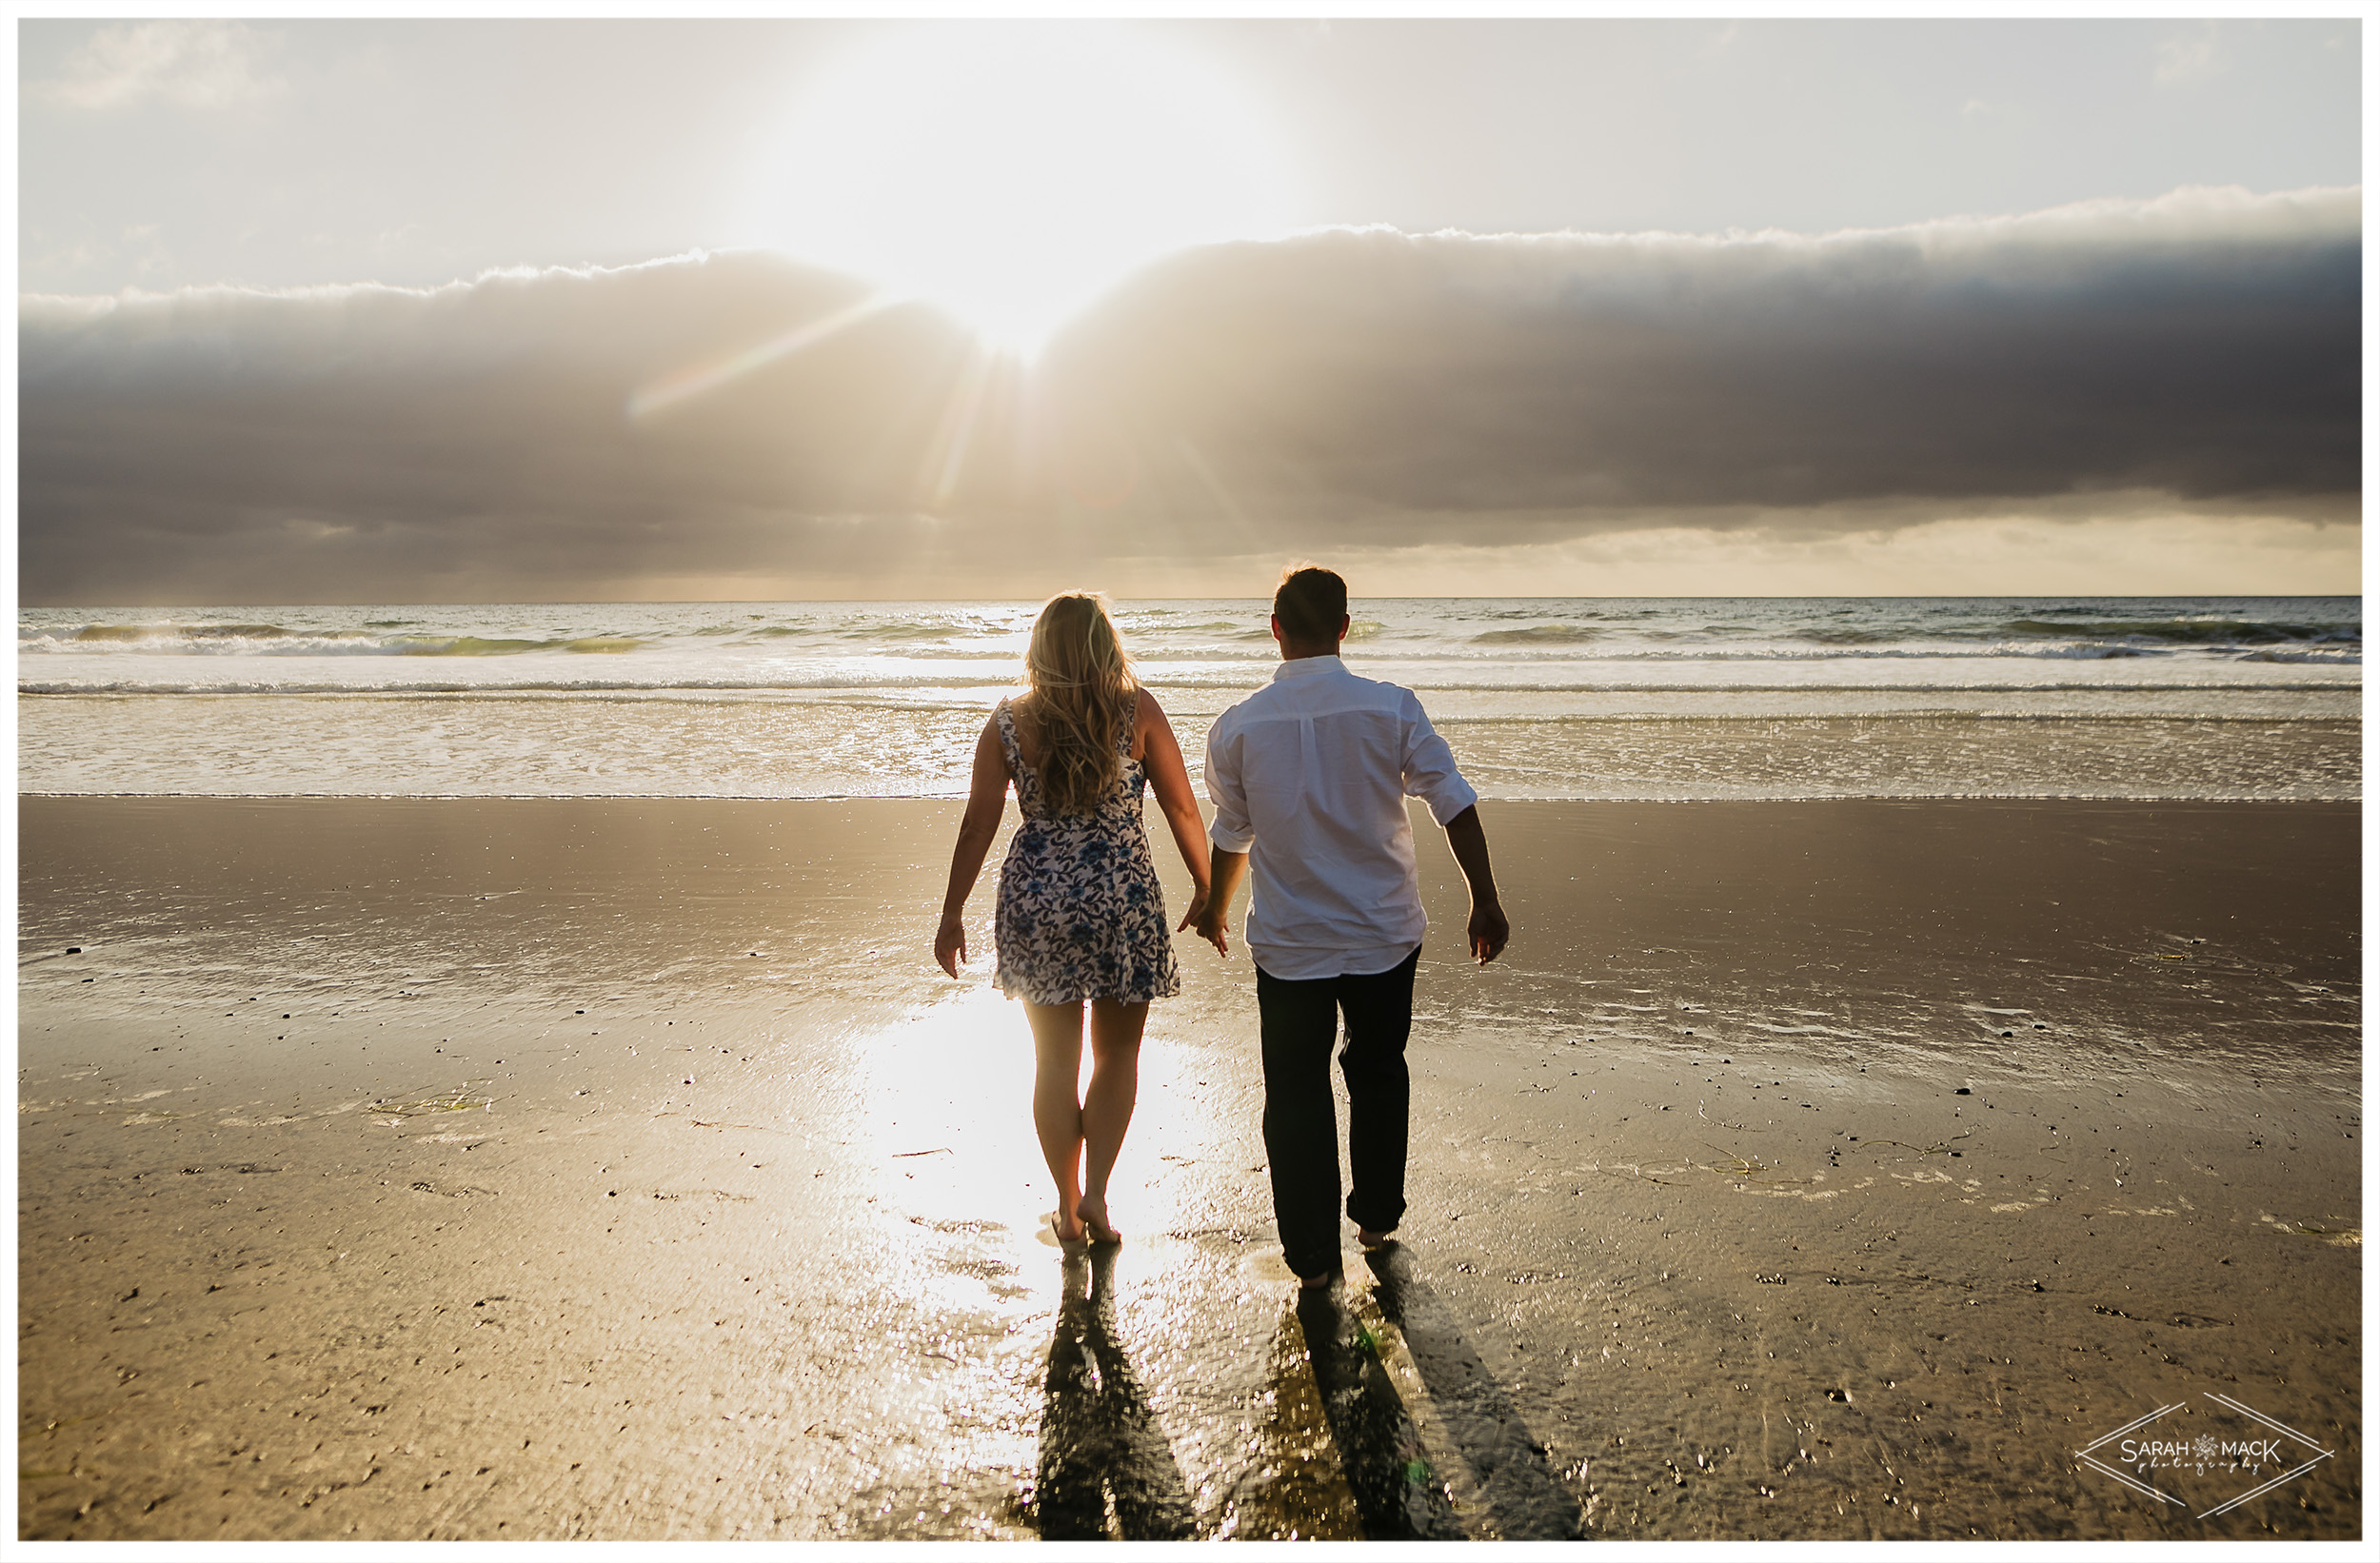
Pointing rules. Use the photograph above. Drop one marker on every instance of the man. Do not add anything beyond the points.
(1309, 778)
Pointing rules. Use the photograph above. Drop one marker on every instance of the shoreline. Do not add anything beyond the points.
(383, 1268)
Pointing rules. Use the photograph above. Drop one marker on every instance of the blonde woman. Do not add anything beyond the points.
(1081, 919)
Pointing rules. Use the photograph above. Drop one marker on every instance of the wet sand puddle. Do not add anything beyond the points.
(812, 1301)
(319, 1243)
(480, 1308)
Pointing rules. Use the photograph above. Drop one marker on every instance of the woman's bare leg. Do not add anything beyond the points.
(1057, 1112)
(1107, 1104)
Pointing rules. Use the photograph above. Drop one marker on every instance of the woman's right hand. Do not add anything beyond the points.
(950, 943)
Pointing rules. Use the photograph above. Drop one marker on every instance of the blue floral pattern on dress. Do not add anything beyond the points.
(1079, 914)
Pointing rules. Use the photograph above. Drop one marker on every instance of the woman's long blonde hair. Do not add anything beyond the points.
(1081, 692)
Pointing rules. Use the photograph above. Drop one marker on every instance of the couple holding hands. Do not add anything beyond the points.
(1308, 777)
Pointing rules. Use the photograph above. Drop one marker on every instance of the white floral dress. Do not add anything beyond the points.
(1081, 915)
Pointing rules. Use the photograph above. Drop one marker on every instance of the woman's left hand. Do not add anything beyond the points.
(950, 944)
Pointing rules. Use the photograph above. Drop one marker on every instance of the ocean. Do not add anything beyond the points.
(2197, 698)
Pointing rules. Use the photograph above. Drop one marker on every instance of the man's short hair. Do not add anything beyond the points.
(1310, 603)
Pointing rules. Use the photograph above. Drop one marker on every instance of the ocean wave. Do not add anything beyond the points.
(2010, 651)
(905, 788)
(969, 692)
(472, 645)
(275, 641)
(2316, 654)
(896, 633)
(135, 633)
(495, 689)
(1538, 635)
(1247, 648)
(2207, 631)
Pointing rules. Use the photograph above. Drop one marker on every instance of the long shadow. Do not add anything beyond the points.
(1100, 1443)
(1523, 1498)
(1398, 1497)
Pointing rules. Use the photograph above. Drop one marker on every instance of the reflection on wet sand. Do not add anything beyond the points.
(1804, 1221)
(1100, 1445)
(1514, 1491)
(1290, 1485)
(1367, 1433)
(1397, 1494)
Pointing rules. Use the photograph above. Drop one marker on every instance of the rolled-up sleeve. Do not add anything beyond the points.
(1231, 831)
(1430, 773)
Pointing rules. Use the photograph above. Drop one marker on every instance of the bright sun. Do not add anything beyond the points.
(1011, 171)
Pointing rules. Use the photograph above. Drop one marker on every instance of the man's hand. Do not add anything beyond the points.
(1206, 914)
(1488, 928)
(1488, 932)
(950, 944)
(1211, 916)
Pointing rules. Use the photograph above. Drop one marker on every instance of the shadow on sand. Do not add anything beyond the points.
(1347, 1453)
(1397, 1495)
(1343, 1453)
(1509, 1491)
(1100, 1444)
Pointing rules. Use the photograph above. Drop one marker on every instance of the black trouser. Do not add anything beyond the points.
(1301, 1020)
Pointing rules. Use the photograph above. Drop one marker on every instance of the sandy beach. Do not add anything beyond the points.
(582, 1168)
(526, 523)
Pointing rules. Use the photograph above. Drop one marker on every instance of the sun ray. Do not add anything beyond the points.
(947, 455)
(683, 384)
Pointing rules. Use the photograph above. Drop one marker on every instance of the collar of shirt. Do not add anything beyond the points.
(1299, 668)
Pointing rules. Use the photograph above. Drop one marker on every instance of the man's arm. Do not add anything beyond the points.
(1488, 931)
(1226, 863)
(1214, 916)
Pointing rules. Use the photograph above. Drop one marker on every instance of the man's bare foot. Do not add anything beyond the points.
(1375, 1240)
(1093, 1214)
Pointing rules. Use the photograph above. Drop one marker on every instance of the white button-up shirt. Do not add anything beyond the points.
(1309, 777)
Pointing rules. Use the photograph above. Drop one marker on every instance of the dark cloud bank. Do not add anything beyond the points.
(1342, 388)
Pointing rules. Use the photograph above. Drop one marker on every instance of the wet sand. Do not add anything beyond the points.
(572, 1168)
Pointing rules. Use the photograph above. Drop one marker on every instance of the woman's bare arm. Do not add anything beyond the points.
(987, 794)
(1169, 778)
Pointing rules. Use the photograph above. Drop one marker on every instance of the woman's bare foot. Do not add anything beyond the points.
(1093, 1214)
(1056, 1221)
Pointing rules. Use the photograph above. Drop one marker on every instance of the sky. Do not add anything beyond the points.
(551, 310)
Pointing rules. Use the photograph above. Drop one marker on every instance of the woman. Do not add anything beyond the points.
(1081, 916)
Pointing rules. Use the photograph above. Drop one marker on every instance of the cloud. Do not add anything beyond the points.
(2205, 344)
(194, 64)
(1364, 391)
(2153, 550)
(2188, 59)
